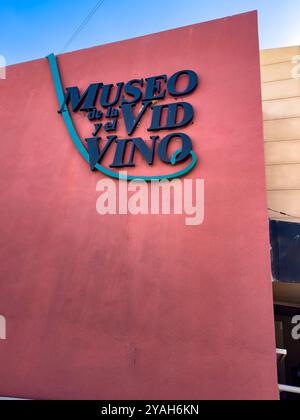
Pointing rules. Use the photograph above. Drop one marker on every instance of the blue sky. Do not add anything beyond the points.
(31, 29)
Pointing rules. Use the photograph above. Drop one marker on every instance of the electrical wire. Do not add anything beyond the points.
(83, 24)
(284, 214)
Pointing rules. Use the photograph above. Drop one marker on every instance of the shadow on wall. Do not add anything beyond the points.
(285, 244)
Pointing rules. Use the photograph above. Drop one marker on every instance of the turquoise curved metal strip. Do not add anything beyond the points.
(84, 153)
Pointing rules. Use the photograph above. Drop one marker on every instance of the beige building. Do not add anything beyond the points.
(281, 109)
(281, 113)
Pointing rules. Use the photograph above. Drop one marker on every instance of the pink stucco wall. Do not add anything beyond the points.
(137, 307)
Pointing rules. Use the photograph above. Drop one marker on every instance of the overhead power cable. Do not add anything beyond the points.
(284, 214)
(83, 24)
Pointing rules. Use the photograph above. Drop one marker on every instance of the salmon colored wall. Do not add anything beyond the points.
(137, 307)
